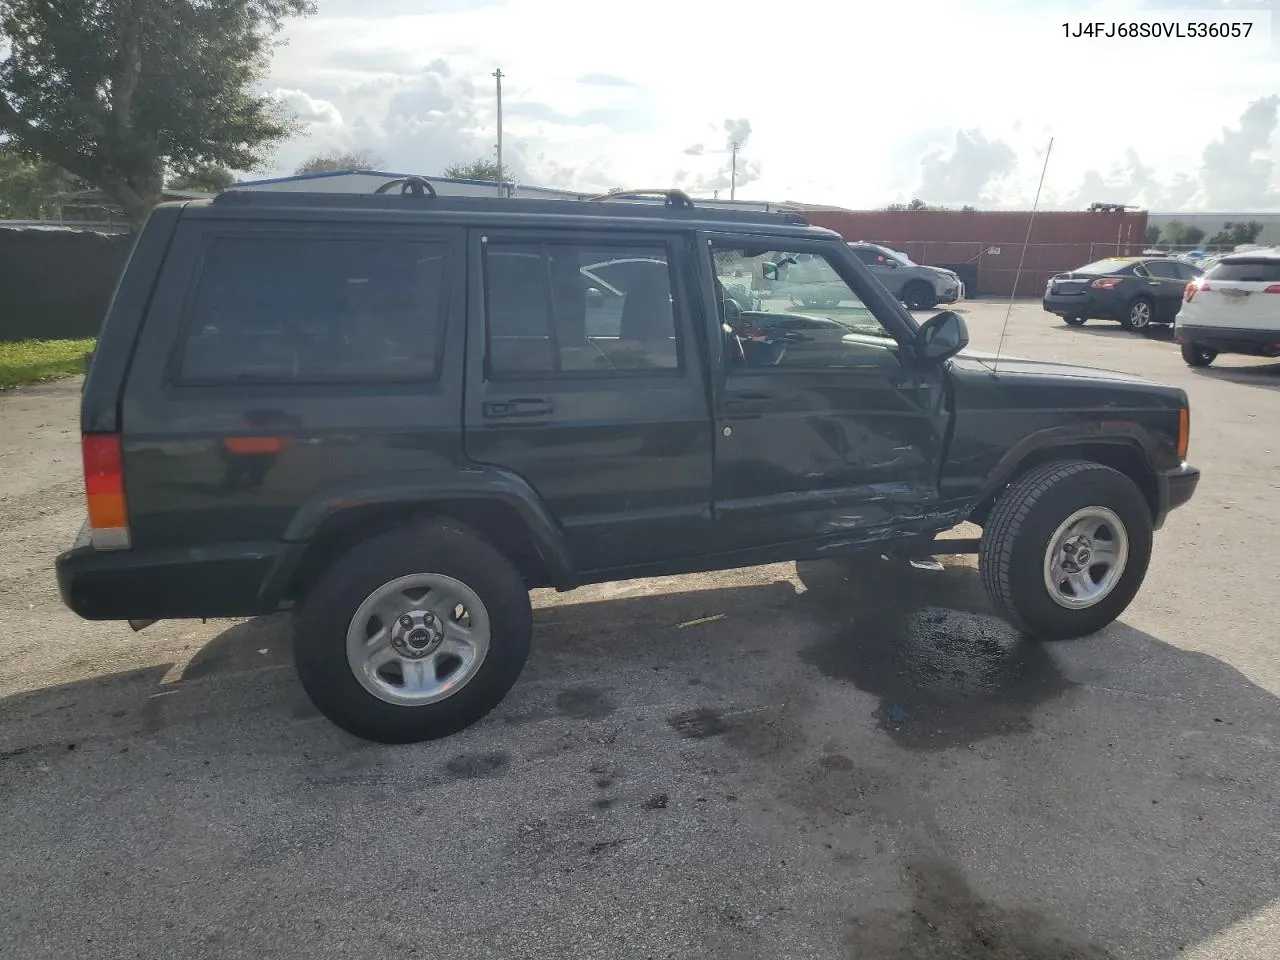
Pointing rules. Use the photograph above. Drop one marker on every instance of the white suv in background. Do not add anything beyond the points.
(1233, 308)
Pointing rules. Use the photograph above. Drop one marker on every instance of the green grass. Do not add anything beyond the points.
(31, 361)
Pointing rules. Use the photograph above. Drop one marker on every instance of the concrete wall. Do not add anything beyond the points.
(57, 282)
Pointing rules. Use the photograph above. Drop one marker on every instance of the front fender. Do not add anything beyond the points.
(1121, 434)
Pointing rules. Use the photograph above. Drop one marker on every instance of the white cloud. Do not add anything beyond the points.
(960, 116)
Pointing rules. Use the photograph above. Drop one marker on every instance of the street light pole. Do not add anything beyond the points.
(498, 76)
(733, 176)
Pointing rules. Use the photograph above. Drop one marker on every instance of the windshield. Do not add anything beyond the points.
(901, 257)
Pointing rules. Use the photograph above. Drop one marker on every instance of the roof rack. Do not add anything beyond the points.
(444, 204)
(672, 197)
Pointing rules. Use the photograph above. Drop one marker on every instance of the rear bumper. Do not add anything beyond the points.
(1173, 489)
(1092, 306)
(1243, 340)
(227, 581)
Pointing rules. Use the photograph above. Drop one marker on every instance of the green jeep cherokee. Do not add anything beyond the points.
(398, 413)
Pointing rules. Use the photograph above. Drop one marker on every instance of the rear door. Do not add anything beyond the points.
(884, 267)
(585, 378)
(1166, 286)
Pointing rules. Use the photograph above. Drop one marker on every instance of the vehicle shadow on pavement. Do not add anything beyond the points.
(1264, 376)
(856, 759)
(1109, 328)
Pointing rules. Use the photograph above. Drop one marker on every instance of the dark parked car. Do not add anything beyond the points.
(395, 415)
(1137, 291)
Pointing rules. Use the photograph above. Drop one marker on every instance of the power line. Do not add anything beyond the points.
(497, 74)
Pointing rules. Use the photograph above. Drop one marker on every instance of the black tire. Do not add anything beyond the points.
(1016, 538)
(1197, 356)
(1140, 315)
(1073, 321)
(918, 295)
(437, 547)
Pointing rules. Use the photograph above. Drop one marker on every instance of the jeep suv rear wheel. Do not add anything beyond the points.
(413, 635)
(1066, 549)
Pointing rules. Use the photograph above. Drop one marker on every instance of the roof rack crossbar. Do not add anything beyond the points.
(672, 197)
(409, 186)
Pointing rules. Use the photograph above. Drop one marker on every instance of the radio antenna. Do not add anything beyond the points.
(995, 367)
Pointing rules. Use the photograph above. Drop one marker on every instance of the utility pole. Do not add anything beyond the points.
(733, 176)
(498, 76)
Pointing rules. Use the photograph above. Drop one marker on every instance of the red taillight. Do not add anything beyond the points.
(1106, 283)
(1189, 291)
(104, 491)
(1274, 288)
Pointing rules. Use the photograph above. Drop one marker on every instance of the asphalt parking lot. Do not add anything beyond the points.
(854, 761)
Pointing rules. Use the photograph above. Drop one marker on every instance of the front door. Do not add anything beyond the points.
(584, 378)
(826, 428)
(883, 267)
(1167, 286)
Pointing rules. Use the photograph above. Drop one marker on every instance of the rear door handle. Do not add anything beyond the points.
(523, 407)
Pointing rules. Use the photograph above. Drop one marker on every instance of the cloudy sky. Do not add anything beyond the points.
(834, 102)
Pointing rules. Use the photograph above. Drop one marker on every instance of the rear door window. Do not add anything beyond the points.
(289, 309)
(1163, 269)
(570, 309)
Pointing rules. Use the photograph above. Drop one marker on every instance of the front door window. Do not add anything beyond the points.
(790, 309)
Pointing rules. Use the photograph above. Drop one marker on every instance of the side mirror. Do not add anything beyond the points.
(769, 271)
(941, 337)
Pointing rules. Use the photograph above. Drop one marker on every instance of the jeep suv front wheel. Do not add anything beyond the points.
(1066, 549)
(413, 635)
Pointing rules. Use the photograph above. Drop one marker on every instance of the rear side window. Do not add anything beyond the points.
(1163, 269)
(285, 310)
(1246, 271)
(579, 309)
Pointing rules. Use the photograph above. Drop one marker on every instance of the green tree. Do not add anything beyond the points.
(208, 178)
(480, 169)
(335, 161)
(30, 189)
(915, 204)
(1178, 234)
(1233, 234)
(1153, 233)
(118, 92)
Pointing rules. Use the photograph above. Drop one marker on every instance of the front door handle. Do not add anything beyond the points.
(522, 407)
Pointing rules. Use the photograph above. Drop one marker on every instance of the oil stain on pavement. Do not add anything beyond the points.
(947, 674)
(946, 920)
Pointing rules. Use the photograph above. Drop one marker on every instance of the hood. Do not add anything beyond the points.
(978, 360)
